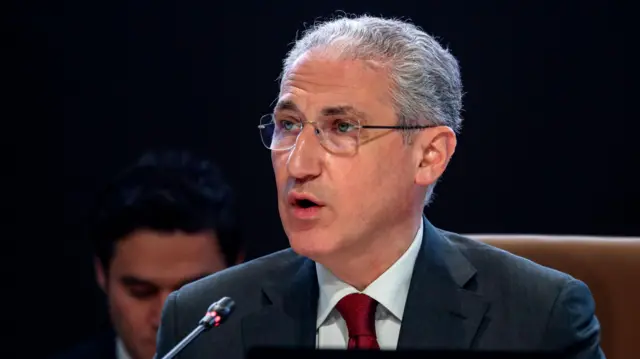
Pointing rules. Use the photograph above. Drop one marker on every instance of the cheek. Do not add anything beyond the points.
(375, 176)
(279, 163)
(128, 311)
(359, 181)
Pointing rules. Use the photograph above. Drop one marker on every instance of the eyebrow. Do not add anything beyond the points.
(342, 111)
(287, 105)
(326, 111)
(133, 281)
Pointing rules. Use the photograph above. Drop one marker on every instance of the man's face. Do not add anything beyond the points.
(362, 195)
(146, 266)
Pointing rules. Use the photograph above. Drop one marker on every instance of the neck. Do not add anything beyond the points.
(359, 268)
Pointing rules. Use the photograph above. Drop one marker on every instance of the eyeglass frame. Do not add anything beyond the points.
(359, 127)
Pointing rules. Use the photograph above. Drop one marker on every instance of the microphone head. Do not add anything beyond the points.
(218, 312)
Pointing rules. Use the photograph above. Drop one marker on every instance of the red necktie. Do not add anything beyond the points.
(359, 310)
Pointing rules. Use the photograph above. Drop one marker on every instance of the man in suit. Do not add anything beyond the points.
(164, 222)
(364, 126)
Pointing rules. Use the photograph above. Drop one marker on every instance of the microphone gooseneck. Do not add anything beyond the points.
(217, 313)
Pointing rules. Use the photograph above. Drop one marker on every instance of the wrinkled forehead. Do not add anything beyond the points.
(339, 109)
(325, 87)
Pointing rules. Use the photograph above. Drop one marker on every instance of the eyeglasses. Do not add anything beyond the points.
(338, 136)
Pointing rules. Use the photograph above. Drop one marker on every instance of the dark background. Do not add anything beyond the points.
(546, 147)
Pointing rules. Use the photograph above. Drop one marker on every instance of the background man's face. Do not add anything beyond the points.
(146, 266)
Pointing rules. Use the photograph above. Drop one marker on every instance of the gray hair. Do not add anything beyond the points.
(425, 77)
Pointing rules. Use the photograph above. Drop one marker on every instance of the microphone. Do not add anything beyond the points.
(217, 313)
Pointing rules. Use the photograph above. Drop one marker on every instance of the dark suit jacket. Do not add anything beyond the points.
(464, 295)
(102, 346)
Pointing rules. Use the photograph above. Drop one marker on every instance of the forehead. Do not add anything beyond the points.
(316, 81)
(152, 254)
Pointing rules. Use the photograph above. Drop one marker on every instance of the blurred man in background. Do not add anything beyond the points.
(166, 221)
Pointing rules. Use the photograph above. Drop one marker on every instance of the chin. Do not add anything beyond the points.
(146, 352)
(313, 244)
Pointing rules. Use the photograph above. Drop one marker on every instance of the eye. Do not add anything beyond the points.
(287, 125)
(142, 291)
(344, 126)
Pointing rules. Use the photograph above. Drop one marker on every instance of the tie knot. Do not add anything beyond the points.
(358, 311)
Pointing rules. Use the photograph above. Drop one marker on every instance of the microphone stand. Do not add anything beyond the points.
(216, 315)
(184, 342)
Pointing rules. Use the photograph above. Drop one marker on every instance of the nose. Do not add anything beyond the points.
(304, 160)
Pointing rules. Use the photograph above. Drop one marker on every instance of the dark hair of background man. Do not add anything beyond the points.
(166, 191)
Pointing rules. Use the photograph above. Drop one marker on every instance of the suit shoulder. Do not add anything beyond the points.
(241, 279)
(544, 306)
(507, 268)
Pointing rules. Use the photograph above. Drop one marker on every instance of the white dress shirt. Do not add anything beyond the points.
(121, 351)
(389, 290)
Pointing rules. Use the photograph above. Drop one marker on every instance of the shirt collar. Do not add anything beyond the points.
(121, 351)
(390, 289)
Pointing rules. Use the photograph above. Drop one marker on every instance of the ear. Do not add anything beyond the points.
(101, 275)
(434, 149)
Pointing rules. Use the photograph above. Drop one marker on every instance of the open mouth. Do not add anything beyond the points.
(305, 206)
(305, 203)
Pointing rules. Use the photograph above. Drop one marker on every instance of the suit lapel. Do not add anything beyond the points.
(439, 312)
(289, 317)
